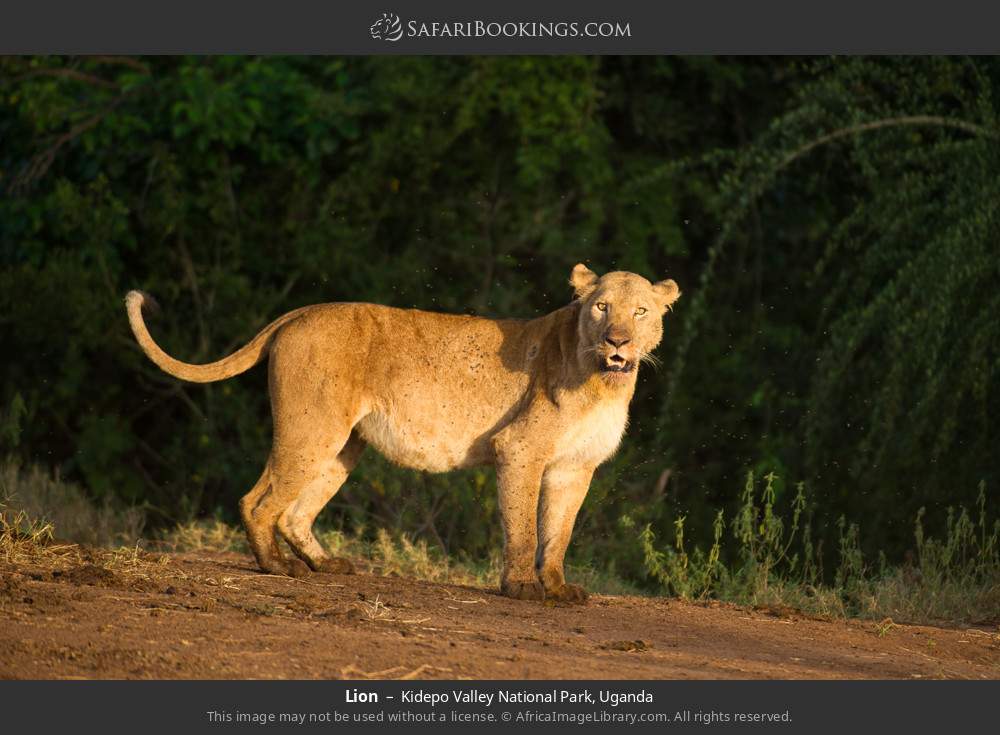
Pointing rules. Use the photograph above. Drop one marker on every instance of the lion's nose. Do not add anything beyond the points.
(617, 339)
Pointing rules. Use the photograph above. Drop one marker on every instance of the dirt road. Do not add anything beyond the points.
(214, 616)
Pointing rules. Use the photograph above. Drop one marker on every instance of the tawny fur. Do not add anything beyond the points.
(544, 400)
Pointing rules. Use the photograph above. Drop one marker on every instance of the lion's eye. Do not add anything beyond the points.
(601, 306)
(640, 311)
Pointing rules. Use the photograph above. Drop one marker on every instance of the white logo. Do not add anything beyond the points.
(387, 28)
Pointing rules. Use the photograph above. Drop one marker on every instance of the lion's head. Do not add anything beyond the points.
(621, 318)
(387, 28)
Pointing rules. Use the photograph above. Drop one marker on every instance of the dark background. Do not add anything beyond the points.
(833, 224)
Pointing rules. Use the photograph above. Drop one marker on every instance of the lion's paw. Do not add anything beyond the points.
(285, 568)
(572, 593)
(523, 590)
(335, 566)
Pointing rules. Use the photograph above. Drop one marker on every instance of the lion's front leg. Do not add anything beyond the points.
(519, 479)
(518, 488)
(562, 492)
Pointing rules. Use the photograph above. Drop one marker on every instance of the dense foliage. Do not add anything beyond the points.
(833, 225)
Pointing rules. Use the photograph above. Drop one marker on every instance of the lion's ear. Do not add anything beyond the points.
(583, 280)
(667, 292)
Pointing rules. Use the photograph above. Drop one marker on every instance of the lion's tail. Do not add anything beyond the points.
(240, 361)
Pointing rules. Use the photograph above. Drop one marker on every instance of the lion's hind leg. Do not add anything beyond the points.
(314, 406)
(260, 530)
(305, 469)
(296, 522)
(302, 468)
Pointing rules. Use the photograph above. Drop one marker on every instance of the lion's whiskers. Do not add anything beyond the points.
(652, 360)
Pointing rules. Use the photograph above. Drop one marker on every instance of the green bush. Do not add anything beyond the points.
(774, 561)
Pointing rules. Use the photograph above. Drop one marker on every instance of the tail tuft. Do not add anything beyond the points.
(143, 301)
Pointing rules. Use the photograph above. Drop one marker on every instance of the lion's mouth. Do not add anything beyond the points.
(617, 364)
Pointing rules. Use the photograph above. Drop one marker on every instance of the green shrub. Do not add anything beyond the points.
(774, 561)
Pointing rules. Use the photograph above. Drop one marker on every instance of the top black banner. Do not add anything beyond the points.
(445, 27)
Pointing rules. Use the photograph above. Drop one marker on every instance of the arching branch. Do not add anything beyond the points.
(756, 187)
(888, 122)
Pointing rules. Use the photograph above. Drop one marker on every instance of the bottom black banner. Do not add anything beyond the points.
(726, 706)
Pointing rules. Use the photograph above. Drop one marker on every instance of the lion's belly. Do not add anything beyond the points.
(595, 437)
(423, 445)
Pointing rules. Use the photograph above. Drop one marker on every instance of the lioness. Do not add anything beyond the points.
(544, 400)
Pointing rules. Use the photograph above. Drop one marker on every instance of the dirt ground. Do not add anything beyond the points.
(212, 615)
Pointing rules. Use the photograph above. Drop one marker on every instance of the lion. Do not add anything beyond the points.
(544, 400)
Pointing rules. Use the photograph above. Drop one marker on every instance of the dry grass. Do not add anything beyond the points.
(50, 525)
(32, 543)
(26, 543)
(374, 610)
(204, 535)
(397, 555)
(36, 496)
(22, 539)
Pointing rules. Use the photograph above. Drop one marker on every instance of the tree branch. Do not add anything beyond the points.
(121, 61)
(74, 74)
(921, 120)
(41, 162)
